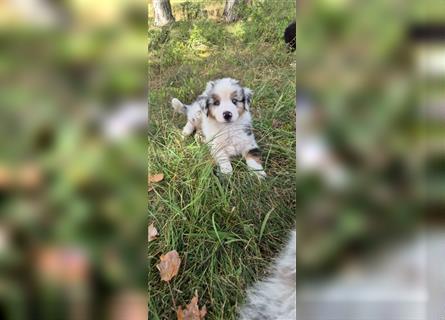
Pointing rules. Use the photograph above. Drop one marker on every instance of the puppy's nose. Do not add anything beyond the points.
(227, 115)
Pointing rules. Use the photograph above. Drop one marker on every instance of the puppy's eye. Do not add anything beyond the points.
(216, 103)
(234, 101)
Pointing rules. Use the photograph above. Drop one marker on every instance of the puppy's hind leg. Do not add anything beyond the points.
(188, 129)
(253, 161)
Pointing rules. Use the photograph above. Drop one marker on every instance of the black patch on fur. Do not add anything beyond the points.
(246, 99)
(204, 103)
(255, 153)
(427, 32)
(290, 35)
(207, 106)
(248, 130)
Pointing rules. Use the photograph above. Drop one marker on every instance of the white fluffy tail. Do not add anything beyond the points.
(178, 106)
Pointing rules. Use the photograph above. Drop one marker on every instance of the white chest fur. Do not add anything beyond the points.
(231, 139)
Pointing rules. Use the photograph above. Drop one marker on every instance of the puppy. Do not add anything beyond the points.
(275, 297)
(222, 113)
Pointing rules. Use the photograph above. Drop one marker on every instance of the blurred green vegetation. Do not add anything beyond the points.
(358, 63)
(65, 188)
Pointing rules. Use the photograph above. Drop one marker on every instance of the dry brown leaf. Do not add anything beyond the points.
(152, 232)
(192, 311)
(169, 265)
(276, 123)
(155, 178)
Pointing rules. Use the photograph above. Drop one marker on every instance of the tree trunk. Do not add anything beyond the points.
(231, 10)
(163, 12)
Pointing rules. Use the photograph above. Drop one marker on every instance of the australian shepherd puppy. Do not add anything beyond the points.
(275, 297)
(222, 113)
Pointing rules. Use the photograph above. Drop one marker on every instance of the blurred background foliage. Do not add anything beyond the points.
(72, 179)
(358, 66)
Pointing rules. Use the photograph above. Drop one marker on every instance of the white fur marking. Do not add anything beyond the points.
(275, 297)
(256, 167)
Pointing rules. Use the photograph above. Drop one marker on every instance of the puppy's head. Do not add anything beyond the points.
(226, 100)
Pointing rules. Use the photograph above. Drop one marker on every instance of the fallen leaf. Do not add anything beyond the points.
(150, 188)
(169, 265)
(192, 311)
(152, 232)
(276, 123)
(156, 178)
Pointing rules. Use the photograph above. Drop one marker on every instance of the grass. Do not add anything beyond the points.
(225, 231)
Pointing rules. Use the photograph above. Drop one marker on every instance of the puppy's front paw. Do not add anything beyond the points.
(260, 174)
(222, 177)
(226, 171)
(186, 133)
(183, 137)
(199, 136)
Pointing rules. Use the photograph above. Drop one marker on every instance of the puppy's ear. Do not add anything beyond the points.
(248, 94)
(203, 102)
(178, 106)
(209, 88)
